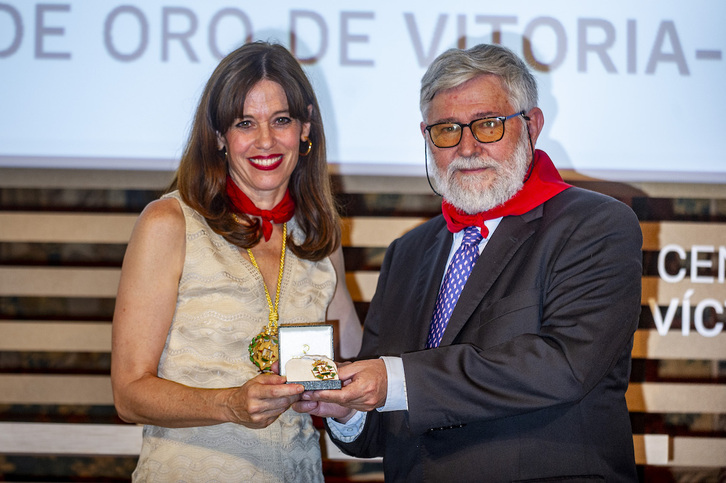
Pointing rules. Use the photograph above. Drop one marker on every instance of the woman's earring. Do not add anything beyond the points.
(307, 149)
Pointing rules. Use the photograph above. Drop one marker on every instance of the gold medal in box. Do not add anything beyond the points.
(306, 356)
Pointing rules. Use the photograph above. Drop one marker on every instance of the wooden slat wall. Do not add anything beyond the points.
(704, 396)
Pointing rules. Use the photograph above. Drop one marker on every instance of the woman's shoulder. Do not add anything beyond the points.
(162, 216)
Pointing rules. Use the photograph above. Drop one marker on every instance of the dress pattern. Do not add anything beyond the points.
(221, 306)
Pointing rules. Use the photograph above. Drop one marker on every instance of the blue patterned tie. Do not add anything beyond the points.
(456, 275)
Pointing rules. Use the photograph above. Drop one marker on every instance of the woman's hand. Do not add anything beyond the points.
(261, 400)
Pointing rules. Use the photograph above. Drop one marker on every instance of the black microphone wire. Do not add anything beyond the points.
(426, 164)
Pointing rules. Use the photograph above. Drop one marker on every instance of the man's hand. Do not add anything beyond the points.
(365, 387)
(324, 410)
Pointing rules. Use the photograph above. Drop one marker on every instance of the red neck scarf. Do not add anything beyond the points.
(543, 183)
(241, 203)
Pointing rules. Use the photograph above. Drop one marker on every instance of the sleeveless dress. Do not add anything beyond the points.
(221, 306)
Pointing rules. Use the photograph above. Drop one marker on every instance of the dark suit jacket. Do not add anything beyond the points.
(529, 380)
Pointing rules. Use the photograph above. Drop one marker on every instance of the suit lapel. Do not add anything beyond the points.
(428, 279)
(509, 236)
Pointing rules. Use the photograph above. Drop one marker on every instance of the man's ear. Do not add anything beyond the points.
(535, 123)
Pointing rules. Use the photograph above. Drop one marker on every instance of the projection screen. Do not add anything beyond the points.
(630, 90)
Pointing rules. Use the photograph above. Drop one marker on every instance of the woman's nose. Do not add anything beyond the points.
(265, 137)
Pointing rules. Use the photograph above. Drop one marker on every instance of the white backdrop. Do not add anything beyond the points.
(630, 90)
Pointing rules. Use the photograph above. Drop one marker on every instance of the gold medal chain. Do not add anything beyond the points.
(272, 325)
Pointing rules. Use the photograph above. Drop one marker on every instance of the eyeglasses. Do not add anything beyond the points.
(486, 130)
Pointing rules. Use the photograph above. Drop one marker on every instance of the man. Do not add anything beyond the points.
(525, 379)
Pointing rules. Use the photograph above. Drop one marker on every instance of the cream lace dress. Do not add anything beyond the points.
(221, 306)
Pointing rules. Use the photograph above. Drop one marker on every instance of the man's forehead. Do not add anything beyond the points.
(480, 96)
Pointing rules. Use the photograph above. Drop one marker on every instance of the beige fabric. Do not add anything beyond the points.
(221, 306)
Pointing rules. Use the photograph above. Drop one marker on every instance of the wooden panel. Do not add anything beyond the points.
(709, 400)
(681, 190)
(159, 180)
(366, 231)
(66, 227)
(96, 390)
(55, 336)
(58, 389)
(96, 337)
(361, 285)
(399, 184)
(125, 440)
(657, 234)
(58, 282)
(648, 344)
(651, 449)
(681, 451)
(70, 439)
(662, 292)
(698, 452)
(103, 282)
(650, 397)
(116, 228)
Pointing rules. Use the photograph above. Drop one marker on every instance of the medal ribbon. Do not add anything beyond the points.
(267, 339)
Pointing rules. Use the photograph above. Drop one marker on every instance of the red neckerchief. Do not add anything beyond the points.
(241, 203)
(543, 183)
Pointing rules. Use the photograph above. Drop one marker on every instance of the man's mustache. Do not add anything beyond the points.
(472, 162)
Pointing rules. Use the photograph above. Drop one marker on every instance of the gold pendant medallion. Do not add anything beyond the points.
(264, 350)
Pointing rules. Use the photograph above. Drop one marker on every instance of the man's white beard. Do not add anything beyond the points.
(465, 192)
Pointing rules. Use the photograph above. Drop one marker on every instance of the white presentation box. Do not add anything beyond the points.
(306, 356)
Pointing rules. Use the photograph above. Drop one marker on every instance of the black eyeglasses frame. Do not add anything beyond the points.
(462, 126)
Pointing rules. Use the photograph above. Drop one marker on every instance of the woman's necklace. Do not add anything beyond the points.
(264, 347)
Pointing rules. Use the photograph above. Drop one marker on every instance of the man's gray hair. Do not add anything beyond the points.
(456, 66)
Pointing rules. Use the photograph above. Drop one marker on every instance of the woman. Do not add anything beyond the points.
(250, 238)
